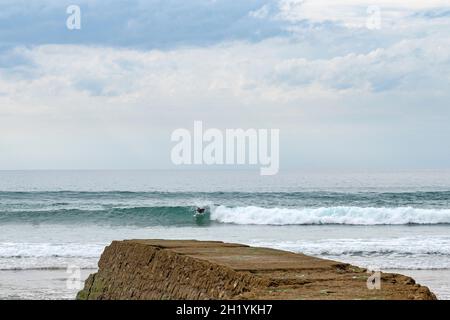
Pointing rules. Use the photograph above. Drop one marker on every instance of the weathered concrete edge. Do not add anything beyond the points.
(208, 280)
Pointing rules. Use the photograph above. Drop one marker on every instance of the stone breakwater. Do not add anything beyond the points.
(187, 269)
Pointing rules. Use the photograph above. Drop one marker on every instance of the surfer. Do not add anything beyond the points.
(200, 210)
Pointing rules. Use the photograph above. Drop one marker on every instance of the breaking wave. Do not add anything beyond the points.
(330, 215)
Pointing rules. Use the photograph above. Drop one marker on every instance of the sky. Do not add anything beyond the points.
(351, 84)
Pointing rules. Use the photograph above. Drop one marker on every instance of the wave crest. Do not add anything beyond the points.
(331, 215)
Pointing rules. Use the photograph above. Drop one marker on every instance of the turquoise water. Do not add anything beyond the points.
(50, 220)
(116, 208)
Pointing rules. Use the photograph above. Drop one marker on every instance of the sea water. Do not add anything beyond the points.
(53, 222)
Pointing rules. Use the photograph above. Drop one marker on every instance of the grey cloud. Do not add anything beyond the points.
(433, 13)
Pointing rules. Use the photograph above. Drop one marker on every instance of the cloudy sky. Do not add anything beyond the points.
(345, 89)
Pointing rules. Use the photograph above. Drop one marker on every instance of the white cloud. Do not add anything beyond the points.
(410, 65)
(98, 80)
(330, 88)
(261, 13)
(354, 13)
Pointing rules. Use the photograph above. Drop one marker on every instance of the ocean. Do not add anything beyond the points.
(54, 225)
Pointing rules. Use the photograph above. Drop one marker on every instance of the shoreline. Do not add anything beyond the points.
(186, 269)
(52, 283)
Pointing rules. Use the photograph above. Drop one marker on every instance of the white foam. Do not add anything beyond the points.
(415, 252)
(29, 256)
(330, 215)
(40, 250)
